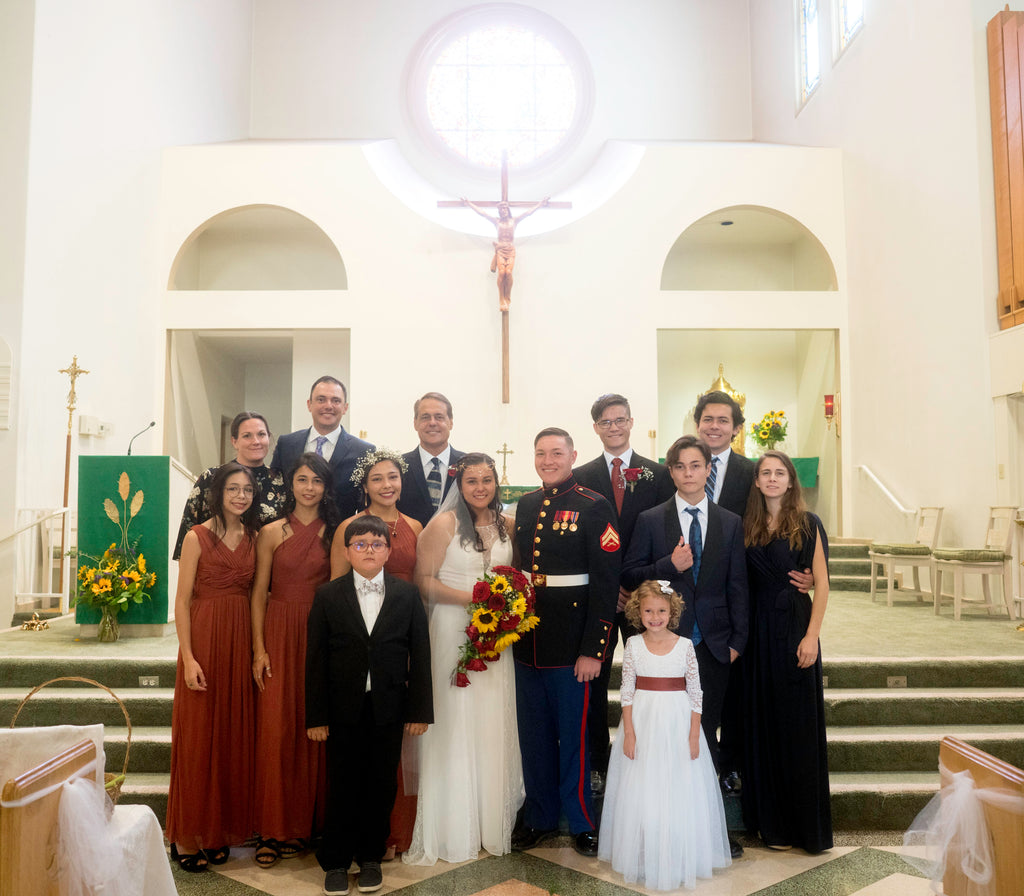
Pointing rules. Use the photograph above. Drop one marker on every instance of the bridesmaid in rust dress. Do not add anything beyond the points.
(379, 475)
(209, 806)
(292, 560)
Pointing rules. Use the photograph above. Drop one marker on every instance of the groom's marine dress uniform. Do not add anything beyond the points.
(567, 542)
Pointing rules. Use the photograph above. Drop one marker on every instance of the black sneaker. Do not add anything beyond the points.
(370, 878)
(336, 882)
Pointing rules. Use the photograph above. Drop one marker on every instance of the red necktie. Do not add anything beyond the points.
(618, 483)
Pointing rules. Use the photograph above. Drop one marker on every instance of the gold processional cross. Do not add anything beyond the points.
(74, 372)
(504, 258)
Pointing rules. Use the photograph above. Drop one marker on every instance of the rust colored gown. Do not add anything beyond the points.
(210, 800)
(291, 771)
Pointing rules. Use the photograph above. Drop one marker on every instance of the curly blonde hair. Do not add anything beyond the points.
(654, 589)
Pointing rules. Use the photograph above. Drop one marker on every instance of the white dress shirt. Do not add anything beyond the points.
(369, 603)
(427, 459)
(329, 445)
(626, 456)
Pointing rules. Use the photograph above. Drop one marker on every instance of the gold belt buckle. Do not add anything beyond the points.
(540, 580)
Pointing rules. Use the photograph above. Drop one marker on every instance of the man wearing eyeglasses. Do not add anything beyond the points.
(328, 403)
(631, 484)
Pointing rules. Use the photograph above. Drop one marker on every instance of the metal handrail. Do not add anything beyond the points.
(33, 524)
(885, 491)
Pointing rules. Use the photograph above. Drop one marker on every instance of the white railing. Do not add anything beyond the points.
(878, 513)
(40, 565)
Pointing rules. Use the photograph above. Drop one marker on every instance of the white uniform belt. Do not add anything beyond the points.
(547, 581)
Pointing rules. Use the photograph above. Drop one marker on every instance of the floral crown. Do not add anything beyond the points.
(375, 456)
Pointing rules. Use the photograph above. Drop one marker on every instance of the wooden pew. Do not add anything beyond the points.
(1006, 828)
(28, 834)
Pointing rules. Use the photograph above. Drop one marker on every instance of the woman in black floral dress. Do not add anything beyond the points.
(250, 437)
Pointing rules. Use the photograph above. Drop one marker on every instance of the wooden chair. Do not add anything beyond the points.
(887, 556)
(1006, 827)
(992, 560)
(28, 834)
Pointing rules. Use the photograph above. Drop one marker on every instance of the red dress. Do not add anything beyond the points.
(401, 563)
(291, 771)
(210, 800)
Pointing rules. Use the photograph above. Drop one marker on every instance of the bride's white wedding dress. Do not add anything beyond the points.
(471, 774)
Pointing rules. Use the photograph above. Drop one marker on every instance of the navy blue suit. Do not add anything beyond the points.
(415, 500)
(343, 461)
(718, 601)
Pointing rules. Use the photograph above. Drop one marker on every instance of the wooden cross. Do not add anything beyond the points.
(504, 451)
(504, 250)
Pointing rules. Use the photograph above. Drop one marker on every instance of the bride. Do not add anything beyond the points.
(471, 777)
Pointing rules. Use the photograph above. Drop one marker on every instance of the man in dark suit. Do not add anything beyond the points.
(631, 484)
(328, 403)
(432, 463)
(698, 547)
(367, 683)
(566, 541)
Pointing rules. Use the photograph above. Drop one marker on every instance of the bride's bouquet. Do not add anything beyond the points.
(501, 611)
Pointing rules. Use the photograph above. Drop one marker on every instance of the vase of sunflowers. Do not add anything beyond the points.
(118, 579)
(771, 431)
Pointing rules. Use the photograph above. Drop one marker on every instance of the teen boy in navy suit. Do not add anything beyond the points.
(328, 403)
(631, 484)
(432, 463)
(367, 682)
(698, 547)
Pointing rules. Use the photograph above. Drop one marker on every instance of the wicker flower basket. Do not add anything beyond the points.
(112, 782)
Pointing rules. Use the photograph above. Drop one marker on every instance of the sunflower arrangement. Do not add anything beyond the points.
(501, 611)
(120, 577)
(771, 430)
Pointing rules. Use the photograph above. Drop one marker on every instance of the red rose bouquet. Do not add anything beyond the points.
(501, 611)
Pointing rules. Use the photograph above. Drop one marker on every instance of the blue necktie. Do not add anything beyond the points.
(320, 442)
(696, 548)
(434, 482)
(709, 486)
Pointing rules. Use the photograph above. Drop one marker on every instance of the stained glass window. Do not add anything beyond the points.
(501, 87)
(810, 50)
(849, 21)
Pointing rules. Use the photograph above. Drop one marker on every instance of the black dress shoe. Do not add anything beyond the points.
(527, 838)
(586, 843)
(735, 850)
(732, 783)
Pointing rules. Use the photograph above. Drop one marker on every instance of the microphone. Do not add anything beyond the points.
(152, 423)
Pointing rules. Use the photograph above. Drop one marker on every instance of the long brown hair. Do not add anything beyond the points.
(792, 521)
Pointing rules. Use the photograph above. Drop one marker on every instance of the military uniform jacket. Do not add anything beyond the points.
(568, 530)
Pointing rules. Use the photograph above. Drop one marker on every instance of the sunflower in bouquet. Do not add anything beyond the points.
(501, 611)
(771, 430)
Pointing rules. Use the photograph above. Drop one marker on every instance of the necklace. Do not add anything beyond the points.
(392, 528)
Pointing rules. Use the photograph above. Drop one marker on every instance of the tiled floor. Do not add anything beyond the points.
(843, 871)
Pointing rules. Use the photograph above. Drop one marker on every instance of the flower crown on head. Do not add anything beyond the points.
(375, 456)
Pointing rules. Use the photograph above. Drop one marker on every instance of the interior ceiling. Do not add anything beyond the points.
(247, 347)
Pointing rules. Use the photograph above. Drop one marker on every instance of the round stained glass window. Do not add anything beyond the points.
(503, 80)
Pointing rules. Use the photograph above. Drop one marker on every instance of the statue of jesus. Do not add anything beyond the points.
(504, 247)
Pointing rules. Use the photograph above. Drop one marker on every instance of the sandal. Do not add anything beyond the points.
(217, 856)
(193, 863)
(268, 853)
(290, 849)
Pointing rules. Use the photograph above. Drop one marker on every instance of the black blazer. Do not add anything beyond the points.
(739, 476)
(347, 451)
(415, 500)
(340, 652)
(719, 599)
(644, 494)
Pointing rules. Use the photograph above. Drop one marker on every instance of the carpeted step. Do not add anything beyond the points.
(859, 584)
(872, 801)
(916, 748)
(147, 789)
(116, 673)
(151, 749)
(840, 567)
(924, 706)
(57, 705)
(924, 672)
(838, 551)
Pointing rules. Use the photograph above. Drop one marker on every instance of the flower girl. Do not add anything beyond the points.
(663, 823)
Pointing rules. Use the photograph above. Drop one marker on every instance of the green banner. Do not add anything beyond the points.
(98, 479)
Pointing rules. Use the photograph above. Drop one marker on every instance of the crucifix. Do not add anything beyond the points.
(74, 372)
(504, 249)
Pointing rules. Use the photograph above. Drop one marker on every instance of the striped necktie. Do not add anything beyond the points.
(709, 486)
(434, 482)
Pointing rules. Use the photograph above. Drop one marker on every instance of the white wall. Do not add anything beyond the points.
(662, 70)
(907, 103)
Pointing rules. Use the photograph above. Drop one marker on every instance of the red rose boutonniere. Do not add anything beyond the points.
(633, 475)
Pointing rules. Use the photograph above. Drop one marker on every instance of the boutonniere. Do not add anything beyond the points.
(451, 472)
(633, 475)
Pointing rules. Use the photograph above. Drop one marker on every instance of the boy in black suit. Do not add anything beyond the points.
(367, 682)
